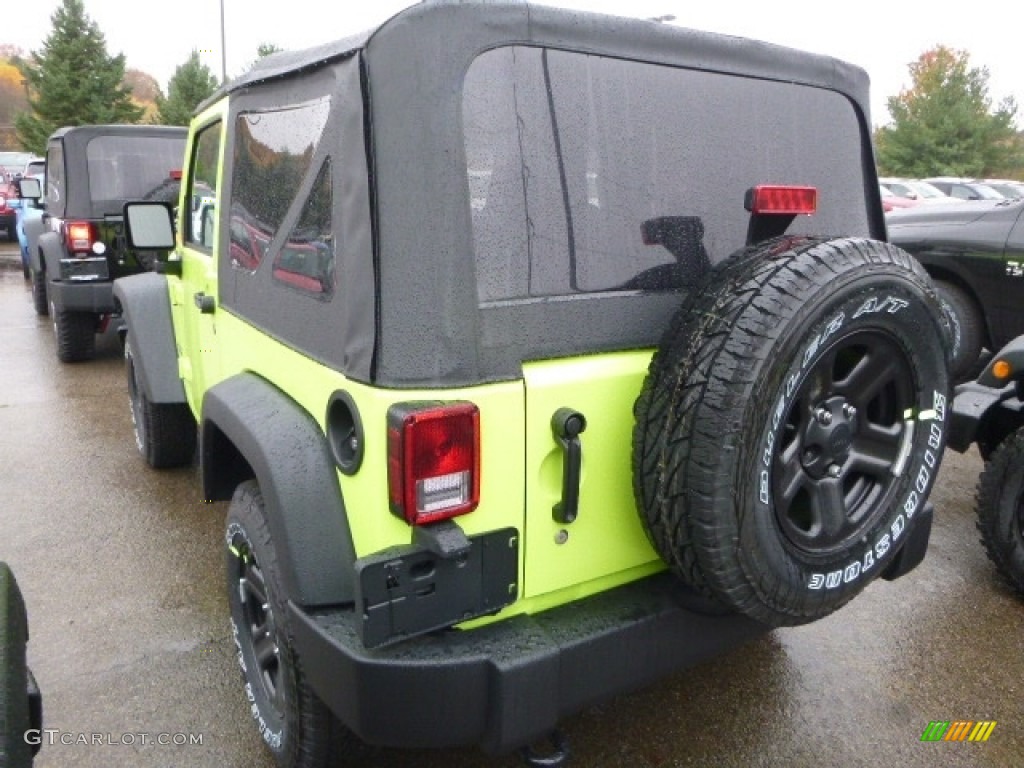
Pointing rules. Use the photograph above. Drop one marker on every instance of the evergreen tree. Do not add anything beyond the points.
(191, 83)
(944, 125)
(72, 80)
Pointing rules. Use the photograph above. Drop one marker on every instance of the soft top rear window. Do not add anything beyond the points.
(589, 174)
(130, 167)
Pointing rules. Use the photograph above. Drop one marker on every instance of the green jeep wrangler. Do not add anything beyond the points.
(540, 354)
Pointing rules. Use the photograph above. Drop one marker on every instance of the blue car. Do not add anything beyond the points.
(24, 210)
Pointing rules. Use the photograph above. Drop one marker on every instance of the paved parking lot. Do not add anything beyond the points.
(121, 570)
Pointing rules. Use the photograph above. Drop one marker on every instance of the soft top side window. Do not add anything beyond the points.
(54, 187)
(273, 153)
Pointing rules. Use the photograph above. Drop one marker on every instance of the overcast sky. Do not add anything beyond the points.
(882, 37)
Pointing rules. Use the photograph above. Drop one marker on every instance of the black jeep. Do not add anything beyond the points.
(974, 250)
(77, 248)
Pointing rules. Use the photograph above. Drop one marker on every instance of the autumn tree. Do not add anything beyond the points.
(945, 124)
(72, 80)
(191, 83)
(12, 101)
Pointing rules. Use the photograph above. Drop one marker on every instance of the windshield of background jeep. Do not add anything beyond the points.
(576, 160)
(129, 167)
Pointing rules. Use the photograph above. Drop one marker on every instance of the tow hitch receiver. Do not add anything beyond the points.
(556, 757)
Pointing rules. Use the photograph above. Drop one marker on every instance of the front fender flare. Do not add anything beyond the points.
(250, 428)
(146, 307)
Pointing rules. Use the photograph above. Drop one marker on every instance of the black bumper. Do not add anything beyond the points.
(508, 684)
(95, 297)
(970, 405)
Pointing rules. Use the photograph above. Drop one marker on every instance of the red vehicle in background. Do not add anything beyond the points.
(891, 200)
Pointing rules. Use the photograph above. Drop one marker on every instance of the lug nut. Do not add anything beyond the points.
(824, 416)
(834, 470)
(849, 411)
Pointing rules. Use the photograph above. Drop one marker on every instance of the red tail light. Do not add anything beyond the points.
(80, 236)
(782, 200)
(433, 460)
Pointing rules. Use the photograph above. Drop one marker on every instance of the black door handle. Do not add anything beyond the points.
(567, 425)
(205, 303)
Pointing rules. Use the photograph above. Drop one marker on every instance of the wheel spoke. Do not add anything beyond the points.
(264, 648)
(875, 449)
(254, 591)
(870, 374)
(829, 508)
(790, 473)
(821, 381)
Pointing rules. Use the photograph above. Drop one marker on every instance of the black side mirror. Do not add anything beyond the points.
(29, 189)
(149, 226)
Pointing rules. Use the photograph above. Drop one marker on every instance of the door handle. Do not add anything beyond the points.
(567, 424)
(205, 303)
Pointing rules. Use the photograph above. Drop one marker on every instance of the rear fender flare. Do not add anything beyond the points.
(250, 428)
(51, 250)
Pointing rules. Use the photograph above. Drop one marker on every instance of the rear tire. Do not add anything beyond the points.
(775, 465)
(76, 335)
(165, 433)
(1000, 509)
(968, 330)
(295, 725)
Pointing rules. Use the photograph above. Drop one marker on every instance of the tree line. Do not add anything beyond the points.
(73, 80)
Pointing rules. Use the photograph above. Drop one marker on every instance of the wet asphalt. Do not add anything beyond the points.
(121, 571)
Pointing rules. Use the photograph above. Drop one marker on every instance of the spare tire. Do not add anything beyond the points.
(792, 423)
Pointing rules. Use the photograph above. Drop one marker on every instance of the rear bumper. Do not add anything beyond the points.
(508, 684)
(970, 406)
(82, 297)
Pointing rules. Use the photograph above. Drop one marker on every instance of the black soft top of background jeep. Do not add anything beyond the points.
(429, 328)
(77, 201)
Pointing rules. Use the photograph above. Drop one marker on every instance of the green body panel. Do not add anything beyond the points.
(607, 537)
(195, 333)
(311, 384)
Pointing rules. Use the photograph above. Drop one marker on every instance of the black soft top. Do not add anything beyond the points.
(518, 22)
(77, 201)
(428, 327)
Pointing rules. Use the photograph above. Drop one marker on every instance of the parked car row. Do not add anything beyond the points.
(943, 189)
(74, 245)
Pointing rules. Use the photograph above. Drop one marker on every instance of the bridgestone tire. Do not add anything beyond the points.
(165, 433)
(15, 716)
(39, 299)
(1000, 508)
(968, 331)
(295, 725)
(755, 497)
(76, 335)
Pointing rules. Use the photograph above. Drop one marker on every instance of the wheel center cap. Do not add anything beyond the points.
(840, 440)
